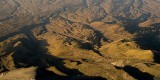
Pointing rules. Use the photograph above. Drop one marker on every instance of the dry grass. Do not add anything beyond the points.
(147, 55)
(19, 74)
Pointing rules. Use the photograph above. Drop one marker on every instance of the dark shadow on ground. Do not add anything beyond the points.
(29, 53)
(131, 25)
(43, 74)
(148, 38)
(150, 41)
(156, 57)
(99, 36)
(72, 74)
(89, 46)
(136, 73)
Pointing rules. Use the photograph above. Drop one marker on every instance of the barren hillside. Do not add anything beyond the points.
(79, 39)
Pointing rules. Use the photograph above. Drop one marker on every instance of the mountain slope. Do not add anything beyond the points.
(80, 39)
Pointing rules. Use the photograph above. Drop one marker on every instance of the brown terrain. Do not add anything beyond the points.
(79, 40)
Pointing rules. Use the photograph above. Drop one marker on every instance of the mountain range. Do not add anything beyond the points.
(79, 39)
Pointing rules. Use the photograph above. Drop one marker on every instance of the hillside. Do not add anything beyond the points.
(80, 39)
